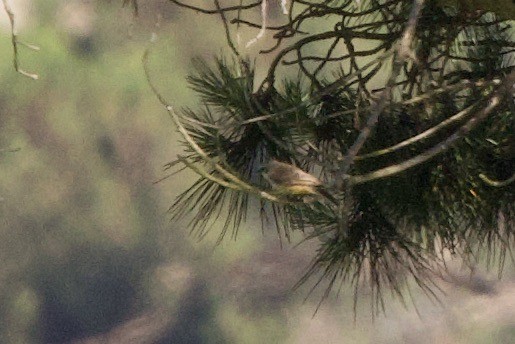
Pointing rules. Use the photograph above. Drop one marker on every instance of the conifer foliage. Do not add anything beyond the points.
(420, 165)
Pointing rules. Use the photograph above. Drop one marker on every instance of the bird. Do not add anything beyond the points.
(289, 180)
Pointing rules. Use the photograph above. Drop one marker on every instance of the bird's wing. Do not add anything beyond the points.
(285, 174)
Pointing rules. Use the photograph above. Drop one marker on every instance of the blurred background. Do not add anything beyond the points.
(87, 251)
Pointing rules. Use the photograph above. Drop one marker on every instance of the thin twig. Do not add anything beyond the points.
(270, 78)
(326, 58)
(16, 42)
(227, 31)
(403, 52)
(223, 9)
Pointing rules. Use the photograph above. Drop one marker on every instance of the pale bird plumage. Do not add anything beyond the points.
(290, 180)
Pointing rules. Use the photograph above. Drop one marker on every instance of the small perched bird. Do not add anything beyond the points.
(289, 180)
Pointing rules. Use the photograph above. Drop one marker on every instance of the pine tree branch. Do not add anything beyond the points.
(402, 53)
(233, 181)
(493, 102)
(381, 232)
(497, 183)
(326, 91)
(424, 135)
(417, 99)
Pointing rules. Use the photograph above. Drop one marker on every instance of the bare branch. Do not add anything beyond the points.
(223, 9)
(227, 31)
(403, 52)
(16, 42)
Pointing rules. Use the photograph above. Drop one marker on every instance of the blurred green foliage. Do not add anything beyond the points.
(83, 228)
